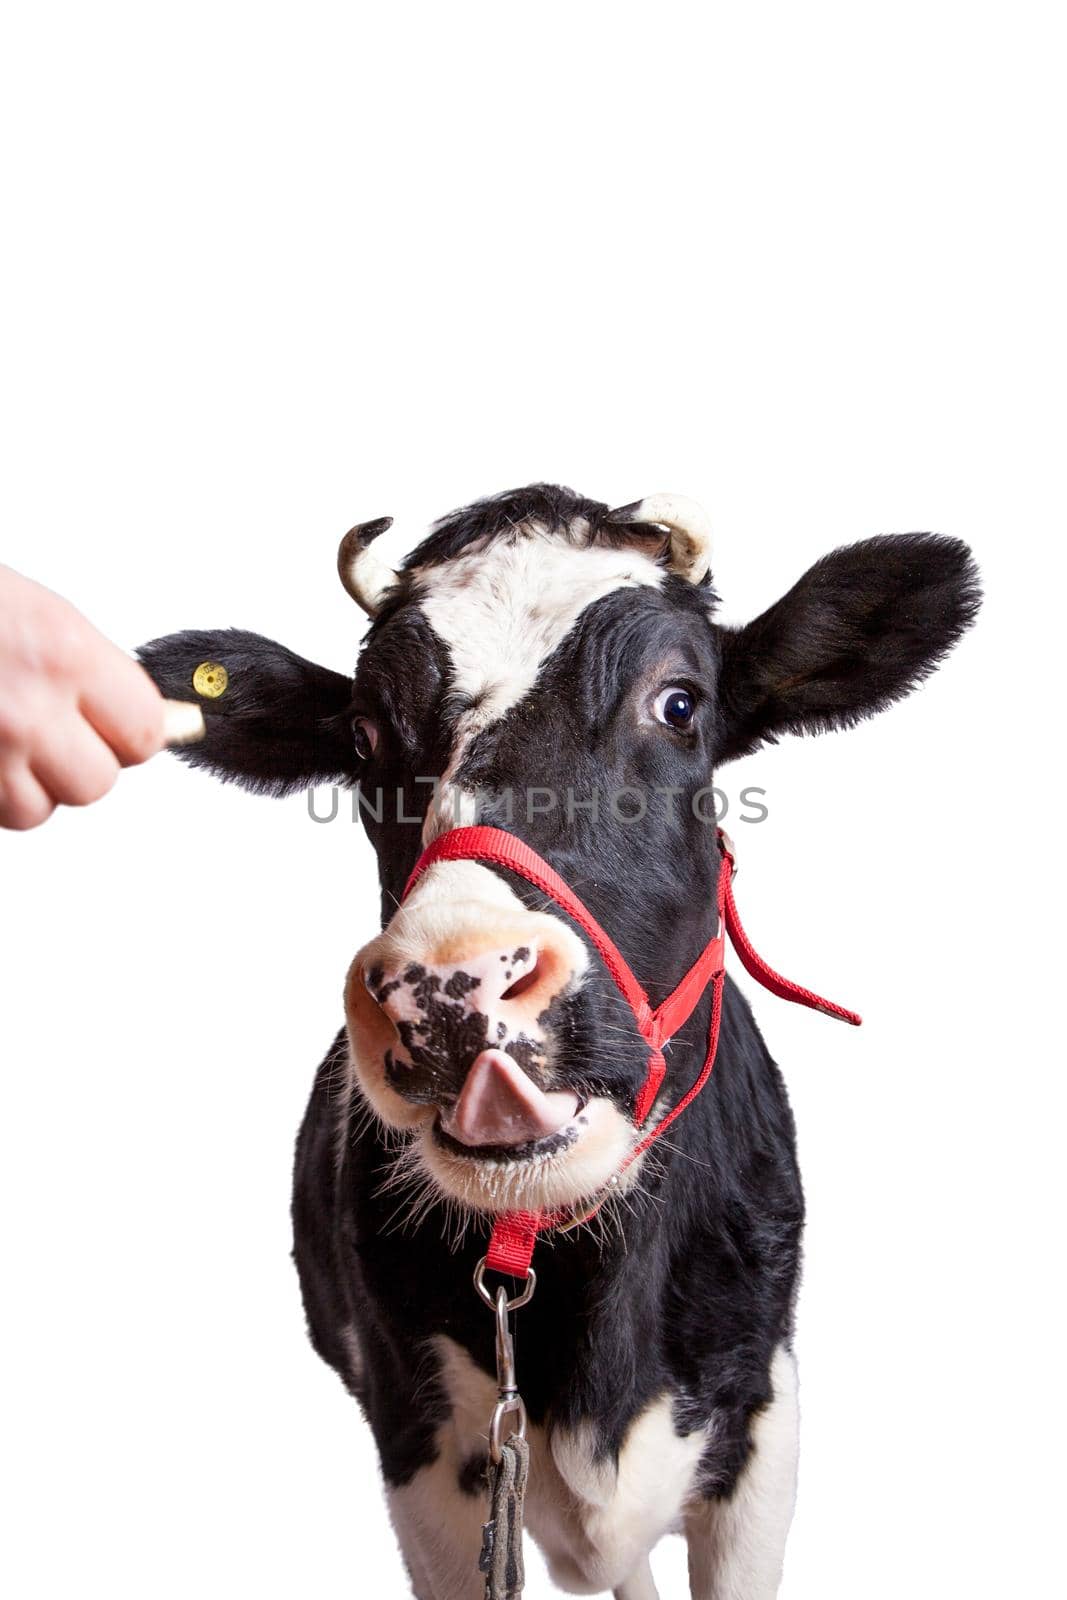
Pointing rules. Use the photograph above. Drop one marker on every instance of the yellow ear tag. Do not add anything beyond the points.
(210, 679)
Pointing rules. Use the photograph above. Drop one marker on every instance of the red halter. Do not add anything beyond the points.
(515, 1233)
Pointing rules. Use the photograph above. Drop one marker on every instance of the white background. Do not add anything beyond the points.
(270, 270)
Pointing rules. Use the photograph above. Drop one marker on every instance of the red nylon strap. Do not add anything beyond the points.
(504, 850)
(757, 968)
(515, 1233)
(511, 1246)
(514, 1236)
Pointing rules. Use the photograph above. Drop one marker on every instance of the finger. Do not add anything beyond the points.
(72, 763)
(122, 703)
(23, 802)
(183, 723)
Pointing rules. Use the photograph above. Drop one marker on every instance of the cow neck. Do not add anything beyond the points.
(515, 1233)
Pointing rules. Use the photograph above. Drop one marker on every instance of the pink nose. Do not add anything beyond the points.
(485, 984)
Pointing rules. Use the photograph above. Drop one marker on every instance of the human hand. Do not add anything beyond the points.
(74, 708)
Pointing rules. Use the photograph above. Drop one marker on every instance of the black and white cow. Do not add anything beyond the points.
(540, 641)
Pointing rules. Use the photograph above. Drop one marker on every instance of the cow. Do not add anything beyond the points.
(551, 667)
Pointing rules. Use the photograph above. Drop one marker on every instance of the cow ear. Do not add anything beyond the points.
(861, 629)
(275, 722)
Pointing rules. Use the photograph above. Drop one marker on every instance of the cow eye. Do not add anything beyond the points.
(675, 707)
(364, 737)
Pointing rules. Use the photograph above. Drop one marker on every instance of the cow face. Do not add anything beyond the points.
(551, 667)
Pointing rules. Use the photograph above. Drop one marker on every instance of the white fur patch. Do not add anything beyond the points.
(618, 1514)
(595, 1523)
(439, 1531)
(443, 903)
(737, 1546)
(501, 611)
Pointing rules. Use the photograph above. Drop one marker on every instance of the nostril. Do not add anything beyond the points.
(427, 993)
(374, 983)
(525, 980)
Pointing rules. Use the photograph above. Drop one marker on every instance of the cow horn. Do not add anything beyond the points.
(689, 527)
(365, 576)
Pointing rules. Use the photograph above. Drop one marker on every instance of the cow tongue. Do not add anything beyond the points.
(500, 1105)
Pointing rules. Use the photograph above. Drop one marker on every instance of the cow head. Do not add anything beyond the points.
(550, 666)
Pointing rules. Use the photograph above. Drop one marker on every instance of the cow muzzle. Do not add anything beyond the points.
(456, 1014)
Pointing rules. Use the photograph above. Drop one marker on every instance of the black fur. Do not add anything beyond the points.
(863, 628)
(504, 516)
(693, 1299)
(695, 1292)
(282, 722)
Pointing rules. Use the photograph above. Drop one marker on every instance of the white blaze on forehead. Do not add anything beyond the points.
(504, 610)
(501, 612)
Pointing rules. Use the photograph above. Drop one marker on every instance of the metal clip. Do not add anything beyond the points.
(514, 1303)
(509, 1400)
